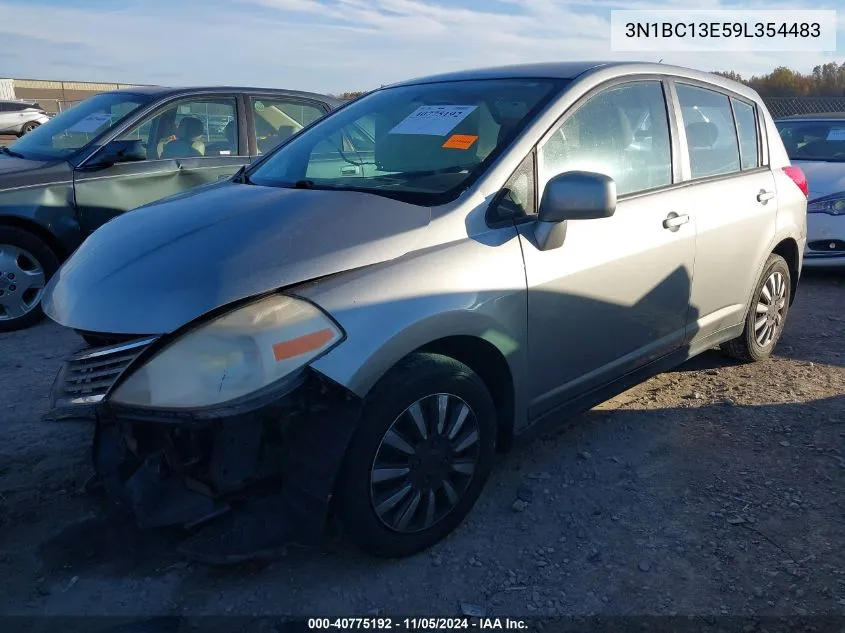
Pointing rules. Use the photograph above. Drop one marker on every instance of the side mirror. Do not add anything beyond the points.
(573, 195)
(126, 151)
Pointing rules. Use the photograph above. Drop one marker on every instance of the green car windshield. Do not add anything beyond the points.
(71, 130)
(421, 144)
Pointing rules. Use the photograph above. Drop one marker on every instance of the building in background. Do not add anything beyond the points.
(54, 96)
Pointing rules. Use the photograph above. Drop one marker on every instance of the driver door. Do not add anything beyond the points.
(190, 142)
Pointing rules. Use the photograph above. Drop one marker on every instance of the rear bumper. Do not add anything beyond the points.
(251, 477)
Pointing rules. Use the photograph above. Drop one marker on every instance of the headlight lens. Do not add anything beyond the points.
(834, 205)
(232, 356)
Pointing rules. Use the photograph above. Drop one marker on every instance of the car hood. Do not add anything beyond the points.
(823, 178)
(12, 165)
(159, 267)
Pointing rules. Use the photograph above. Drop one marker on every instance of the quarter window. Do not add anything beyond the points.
(622, 132)
(711, 133)
(746, 124)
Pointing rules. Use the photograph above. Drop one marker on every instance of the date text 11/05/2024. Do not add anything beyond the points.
(416, 624)
(722, 29)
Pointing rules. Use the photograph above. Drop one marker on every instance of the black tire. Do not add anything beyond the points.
(418, 376)
(46, 259)
(746, 347)
(28, 127)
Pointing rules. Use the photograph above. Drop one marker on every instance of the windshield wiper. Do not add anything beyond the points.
(454, 169)
(10, 152)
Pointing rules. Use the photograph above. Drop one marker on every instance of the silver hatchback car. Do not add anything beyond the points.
(357, 322)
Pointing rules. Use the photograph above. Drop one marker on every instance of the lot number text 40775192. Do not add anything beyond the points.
(417, 624)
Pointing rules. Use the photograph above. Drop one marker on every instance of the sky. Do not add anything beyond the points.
(335, 45)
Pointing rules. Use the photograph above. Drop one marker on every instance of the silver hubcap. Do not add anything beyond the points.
(21, 282)
(425, 463)
(771, 306)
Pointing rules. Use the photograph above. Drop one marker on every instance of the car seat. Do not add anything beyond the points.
(230, 145)
(189, 143)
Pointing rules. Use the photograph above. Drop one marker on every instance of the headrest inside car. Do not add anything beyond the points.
(702, 134)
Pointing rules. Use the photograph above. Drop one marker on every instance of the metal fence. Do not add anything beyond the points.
(789, 106)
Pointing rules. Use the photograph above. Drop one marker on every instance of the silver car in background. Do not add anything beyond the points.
(19, 117)
(368, 313)
(816, 143)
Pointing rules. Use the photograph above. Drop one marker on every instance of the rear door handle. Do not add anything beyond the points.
(764, 196)
(674, 221)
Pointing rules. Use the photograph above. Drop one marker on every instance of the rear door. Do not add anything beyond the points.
(188, 142)
(732, 202)
(274, 118)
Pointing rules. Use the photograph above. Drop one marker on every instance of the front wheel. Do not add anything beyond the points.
(419, 459)
(26, 265)
(766, 316)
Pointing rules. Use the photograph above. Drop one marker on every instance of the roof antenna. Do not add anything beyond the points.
(660, 61)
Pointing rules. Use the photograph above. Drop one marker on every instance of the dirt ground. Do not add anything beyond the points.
(714, 489)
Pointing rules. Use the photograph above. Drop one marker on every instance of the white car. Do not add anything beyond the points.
(19, 117)
(816, 144)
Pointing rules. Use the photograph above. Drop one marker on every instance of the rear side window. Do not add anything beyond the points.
(711, 133)
(746, 125)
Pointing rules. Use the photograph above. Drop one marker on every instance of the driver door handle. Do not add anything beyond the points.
(674, 221)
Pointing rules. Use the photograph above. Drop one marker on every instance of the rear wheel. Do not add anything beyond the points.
(766, 316)
(26, 264)
(28, 127)
(419, 459)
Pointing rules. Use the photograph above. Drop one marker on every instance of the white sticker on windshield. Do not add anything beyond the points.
(836, 134)
(90, 123)
(433, 120)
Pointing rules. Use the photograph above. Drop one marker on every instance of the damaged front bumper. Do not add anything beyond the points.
(253, 476)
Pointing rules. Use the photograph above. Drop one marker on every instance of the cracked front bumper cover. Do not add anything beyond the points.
(269, 468)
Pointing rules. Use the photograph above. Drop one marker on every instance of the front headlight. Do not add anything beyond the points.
(832, 205)
(231, 356)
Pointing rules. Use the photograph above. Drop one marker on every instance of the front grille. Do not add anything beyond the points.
(90, 374)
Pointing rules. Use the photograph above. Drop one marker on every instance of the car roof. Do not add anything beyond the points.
(574, 69)
(167, 91)
(821, 116)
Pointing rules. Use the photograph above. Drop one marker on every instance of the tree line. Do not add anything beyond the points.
(826, 80)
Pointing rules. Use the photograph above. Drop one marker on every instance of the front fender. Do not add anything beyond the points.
(49, 205)
(466, 288)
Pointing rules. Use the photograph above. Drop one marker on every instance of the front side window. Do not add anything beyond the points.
(277, 119)
(711, 133)
(622, 132)
(192, 128)
(423, 144)
(71, 130)
(822, 140)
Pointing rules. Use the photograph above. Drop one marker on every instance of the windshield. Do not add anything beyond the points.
(814, 140)
(67, 132)
(422, 144)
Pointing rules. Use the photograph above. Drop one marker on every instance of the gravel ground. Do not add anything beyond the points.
(713, 489)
